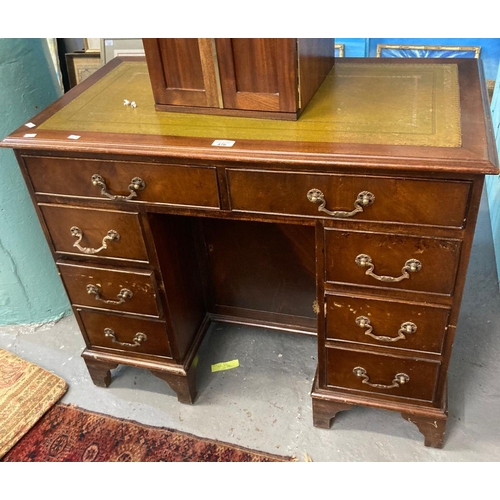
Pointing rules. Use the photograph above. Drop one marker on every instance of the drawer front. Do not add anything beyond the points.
(126, 334)
(391, 261)
(410, 201)
(164, 184)
(98, 233)
(116, 290)
(386, 323)
(374, 373)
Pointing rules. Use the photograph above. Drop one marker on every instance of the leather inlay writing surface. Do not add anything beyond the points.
(391, 104)
(396, 104)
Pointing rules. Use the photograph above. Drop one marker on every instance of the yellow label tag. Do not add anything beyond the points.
(194, 364)
(226, 365)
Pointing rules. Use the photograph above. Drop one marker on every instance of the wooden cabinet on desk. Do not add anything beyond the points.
(267, 77)
(361, 237)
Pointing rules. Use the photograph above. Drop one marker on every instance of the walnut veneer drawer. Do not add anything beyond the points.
(410, 201)
(126, 334)
(386, 323)
(379, 374)
(94, 232)
(391, 261)
(112, 289)
(165, 184)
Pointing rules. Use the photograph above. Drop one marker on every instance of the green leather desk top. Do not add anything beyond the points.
(375, 103)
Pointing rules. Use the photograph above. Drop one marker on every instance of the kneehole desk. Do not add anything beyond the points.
(353, 223)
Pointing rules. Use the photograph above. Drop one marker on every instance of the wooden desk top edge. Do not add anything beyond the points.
(477, 155)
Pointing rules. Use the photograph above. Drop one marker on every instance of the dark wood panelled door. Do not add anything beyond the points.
(258, 73)
(184, 71)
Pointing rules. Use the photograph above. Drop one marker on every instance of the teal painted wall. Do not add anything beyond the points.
(493, 181)
(30, 288)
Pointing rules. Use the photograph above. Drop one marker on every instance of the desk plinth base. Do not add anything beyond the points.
(181, 380)
(430, 421)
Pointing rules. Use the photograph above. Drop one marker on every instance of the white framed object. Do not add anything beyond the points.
(114, 47)
(92, 44)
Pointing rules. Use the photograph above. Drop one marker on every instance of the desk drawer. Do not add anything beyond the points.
(411, 201)
(130, 335)
(387, 375)
(164, 184)
(98, 233)
(391, 261)
(386, 323)
(111, 289)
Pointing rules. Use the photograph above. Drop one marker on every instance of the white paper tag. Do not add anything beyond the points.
(108, 43)
(30, 125)
(223, 143)
(29, 135)
(75, 137)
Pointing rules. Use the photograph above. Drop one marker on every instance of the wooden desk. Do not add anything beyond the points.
(354, 223)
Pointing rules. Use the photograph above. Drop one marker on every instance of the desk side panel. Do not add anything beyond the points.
(181, 282)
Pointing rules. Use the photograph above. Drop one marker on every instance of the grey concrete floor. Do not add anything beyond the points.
(264, 404)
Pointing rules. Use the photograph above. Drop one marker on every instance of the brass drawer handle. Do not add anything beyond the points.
(364, 199)
(411, 266)
(407, 327)
(136, 184)
(78, 233)
(138, 339)
(399, 379)
(123, 295)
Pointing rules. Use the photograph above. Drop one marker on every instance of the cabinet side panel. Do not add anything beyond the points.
(153, 60)
(316, 59)
(175, 248)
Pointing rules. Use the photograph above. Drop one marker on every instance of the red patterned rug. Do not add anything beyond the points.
(70, 434)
